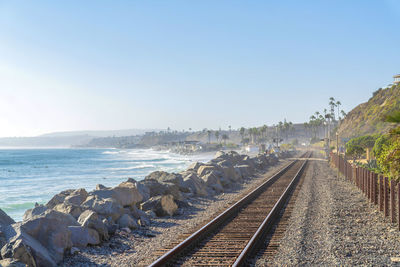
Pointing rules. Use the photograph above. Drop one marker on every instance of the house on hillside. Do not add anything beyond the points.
(396, 79)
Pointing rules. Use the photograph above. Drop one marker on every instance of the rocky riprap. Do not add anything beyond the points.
(75, 219)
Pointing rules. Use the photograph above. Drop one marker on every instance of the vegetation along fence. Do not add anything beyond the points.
(381, 192)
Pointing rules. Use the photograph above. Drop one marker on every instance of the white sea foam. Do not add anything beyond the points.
(133, 168)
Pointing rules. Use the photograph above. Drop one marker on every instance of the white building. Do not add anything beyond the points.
(396, 79)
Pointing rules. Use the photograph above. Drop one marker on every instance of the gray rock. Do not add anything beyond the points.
(73, 210)
(37, 210)
(59, 198)
(245, 170)
(196, 185)
(100, 187)
(91, 220)
(217, 188)
(161, 205)
(211, 178)
(26, 249)
(5, 219)
(83, 236)
(154, 187)
(205, 169)
(127, 221)
(106, 207)
(51, 230)
(11, 263)
(172, 189)
(125, 194)
(229, 172)
(76, 197)
(195, 166)
(143, 190)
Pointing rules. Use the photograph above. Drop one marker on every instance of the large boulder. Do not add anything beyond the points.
(24, 248)
(166, 177)
(37, 210)
(196, 185)
(143, 190)
(248, 161)
(173, 189)
(91, 220)
(51, 230)
(220, 154)
(245, 170)
(161, 205)
(83, 236)
(5, 219)
(157, 188)
(76, 197)
(229, 172)
(212, 180)
(127, 194)
(11, 263)
(126, 221)
(205, 169)
(195, 166)
(40, 241)
(106, 207)
(68, 208)
(59, 198)
(153, 186)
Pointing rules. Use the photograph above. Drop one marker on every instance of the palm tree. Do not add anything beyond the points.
(343, 113)
(209, 132)
(332, 104)
(242, 132)
(225, 137)
(263, 131)
(217, 135)
(338, 105)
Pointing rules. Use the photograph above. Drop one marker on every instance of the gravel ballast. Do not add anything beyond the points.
(333, 224)
(137, 248)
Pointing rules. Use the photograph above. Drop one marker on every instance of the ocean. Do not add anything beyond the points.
(28, 176)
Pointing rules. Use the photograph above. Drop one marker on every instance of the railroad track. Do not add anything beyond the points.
(234, 235)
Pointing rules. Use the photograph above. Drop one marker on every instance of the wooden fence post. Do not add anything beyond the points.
(385, 197)
(398, 206)
(392, 201)
(375, 176)
(381, 193)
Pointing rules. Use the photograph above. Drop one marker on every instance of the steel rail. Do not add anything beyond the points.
(268, 221)
(221, 218)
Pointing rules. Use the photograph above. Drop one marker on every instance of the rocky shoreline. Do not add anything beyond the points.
(75, 220)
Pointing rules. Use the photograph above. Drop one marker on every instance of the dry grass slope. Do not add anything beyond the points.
(367, 118)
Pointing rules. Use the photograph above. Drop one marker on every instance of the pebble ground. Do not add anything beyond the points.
(333, 224)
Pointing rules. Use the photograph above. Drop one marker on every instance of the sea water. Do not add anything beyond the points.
(29, 176)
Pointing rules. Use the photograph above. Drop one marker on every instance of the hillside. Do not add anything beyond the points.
(367, 118)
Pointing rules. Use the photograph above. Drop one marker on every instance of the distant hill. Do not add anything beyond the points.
(72, 138)
(367, 118)
(40, 141)
(115, 133)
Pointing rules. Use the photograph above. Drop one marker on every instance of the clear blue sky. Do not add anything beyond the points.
(91, 65)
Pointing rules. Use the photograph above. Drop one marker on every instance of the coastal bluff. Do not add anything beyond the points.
(75, 218)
